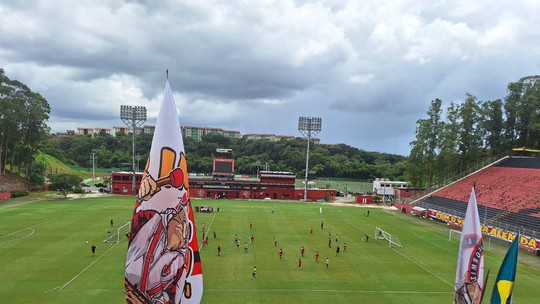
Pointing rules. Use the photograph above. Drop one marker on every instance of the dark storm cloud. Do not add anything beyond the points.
(368, 68)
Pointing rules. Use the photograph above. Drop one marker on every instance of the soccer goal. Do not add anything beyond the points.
(454, 235)
(115, 235)
(393, 240)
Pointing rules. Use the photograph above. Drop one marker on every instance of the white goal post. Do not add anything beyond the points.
(454, 234)
(393, 240)
(115, 235)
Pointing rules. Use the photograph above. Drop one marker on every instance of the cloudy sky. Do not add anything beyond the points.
(368, 68)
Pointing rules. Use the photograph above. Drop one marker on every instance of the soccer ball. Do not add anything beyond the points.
(86, 242)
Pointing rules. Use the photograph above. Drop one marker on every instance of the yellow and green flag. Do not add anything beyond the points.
(502, 291)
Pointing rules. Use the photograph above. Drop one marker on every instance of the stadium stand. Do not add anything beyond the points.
(508, 195)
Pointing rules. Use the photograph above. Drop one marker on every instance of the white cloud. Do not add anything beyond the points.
(250, 64)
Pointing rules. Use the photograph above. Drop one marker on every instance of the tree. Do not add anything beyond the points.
(492, 127)
(38, 173)
(469, 138)
(23, 116)
(64, 182)
(448, 160)
(521, 110)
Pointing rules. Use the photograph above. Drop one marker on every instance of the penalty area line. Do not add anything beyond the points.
(413, 261)
(58, 288)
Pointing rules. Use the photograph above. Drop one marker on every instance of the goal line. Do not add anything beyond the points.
(454, 234)
(115, 235)
(393, 240)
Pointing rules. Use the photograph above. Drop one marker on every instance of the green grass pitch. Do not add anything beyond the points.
(45, 257)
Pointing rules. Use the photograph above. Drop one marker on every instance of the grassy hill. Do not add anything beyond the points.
(54, 166)
(13, 181)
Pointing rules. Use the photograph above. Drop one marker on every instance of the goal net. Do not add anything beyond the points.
(115, 235)
(393, 240)
(454, 235)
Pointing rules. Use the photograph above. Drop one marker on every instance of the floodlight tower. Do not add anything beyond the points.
(133, 117)
(309, 127)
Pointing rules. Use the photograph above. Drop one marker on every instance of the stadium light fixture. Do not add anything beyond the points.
(308, 127)
(133, 117)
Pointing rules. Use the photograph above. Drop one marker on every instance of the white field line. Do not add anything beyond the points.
(413, 261)
(286, 290)
(335, 291)
(58, 288)
(210, 226)
(29, 227)
(486, 256)
(32, 231)
(5, 208)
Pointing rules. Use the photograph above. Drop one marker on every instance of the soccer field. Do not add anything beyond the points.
(45, 257)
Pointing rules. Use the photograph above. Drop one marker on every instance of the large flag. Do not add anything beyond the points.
(163, 263)
(469, 288)
(502, 291)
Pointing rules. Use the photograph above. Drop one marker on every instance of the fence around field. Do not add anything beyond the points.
(7, 188)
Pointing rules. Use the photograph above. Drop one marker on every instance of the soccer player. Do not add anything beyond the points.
(219, 250)
(311, 231)
(275, 241)
(367, 238)
(252, 238)
(337, 250)
(254, 273)
(322, 225)
(317, 257)
(93, 249)
(250, 225)
(281, 253)
(336, 238)
(329, 242)
(302, 250)
(215, 235)
(299, 264)
(344, 247)
(327, 263)
(246, 248)
(112, 223)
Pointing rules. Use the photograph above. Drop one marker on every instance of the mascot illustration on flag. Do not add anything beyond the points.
(163, 262)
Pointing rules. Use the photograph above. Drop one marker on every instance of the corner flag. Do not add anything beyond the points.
(163, 263)
(502, 291)
(469, 288)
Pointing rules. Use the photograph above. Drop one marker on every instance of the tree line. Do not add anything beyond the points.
(250, 156)
(472, 131)
(23, 127)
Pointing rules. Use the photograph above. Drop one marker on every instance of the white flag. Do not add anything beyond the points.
(163, 262)
(470, 265)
